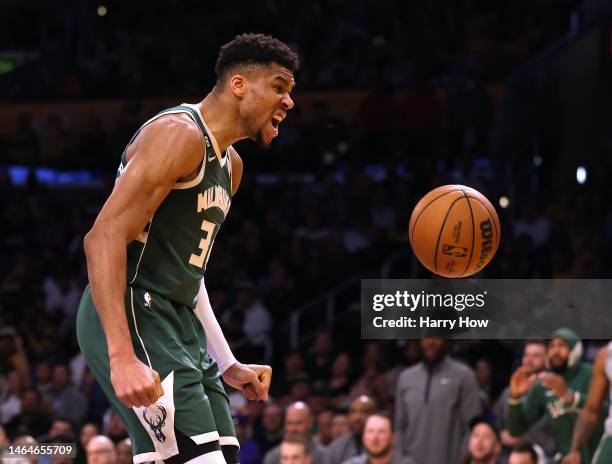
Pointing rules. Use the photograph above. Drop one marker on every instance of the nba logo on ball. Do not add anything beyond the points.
(454, 231)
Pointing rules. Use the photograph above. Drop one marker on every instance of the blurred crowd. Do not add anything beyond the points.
(330, 200)
(109, 49)
(430, 401)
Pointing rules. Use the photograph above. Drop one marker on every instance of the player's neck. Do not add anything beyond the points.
(220, 118)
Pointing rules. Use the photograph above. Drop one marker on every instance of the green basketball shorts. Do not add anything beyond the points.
(170, 339)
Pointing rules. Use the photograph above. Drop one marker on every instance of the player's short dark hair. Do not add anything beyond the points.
(254, 49)
(525, 447)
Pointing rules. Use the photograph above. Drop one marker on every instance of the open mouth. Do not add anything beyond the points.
(277, 119)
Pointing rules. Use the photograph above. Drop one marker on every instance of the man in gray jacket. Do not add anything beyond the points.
(379, 443)
(298, 422)
(434, 403)
(348, 445)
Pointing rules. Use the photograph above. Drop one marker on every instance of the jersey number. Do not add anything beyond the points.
(205, 245)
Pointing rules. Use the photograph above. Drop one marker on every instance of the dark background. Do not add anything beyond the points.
(393, 99)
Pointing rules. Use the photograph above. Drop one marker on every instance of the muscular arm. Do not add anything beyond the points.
(587, 421)
(166, 150)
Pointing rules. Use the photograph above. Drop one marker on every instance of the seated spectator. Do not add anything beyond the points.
(10, 399)
(113, 427)
(324, 425)
(31, 420)
(24, 440)
(339, 424)
(350, 444)
(88, 431)
(340, 382)
(256, 324)
(379, 443)
(43, 377)
(294, 449)
(523, 453)
(484, 445)
(67, 401)
(320, 358)
(249, 449)
(101, 450)
(298, 421)
(271, 432)
(60, 427)
(124, 452)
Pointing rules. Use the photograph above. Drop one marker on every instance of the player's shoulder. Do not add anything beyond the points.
(176, 125)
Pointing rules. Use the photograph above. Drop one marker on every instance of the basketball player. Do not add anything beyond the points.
(145, 333)
(587, 422)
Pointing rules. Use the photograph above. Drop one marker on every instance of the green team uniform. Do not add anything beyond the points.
(603, 455)
(165, 265)
(538, 401)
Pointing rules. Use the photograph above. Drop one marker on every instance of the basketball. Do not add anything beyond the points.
(454, 231)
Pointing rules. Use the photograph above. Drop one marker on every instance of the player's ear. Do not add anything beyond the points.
(238, 84)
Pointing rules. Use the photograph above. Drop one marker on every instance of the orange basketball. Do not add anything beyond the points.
(454, 231)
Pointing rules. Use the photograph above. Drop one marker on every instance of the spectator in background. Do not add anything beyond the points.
(350, 444)
(294, 449)
(294, 367)
(324, 426)
(101, 450)
(124, 452)
(67, 401)
(249, 452)
(43, 377)
(271, 432)
(31, 421)
(559, 394)
(60, 427)
(484, 446)
(10, 398)
(523, 453)
(437, 394)
(88, 431)
(113, 427)
(24, 440)
(340, 382)
(339, 424)
(298, 421)
(256, 324)
(534, 360)
(379, 443)
(321, 357)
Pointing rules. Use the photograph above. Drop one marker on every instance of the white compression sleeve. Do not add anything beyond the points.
(216, 344)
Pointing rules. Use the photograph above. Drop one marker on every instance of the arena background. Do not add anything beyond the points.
(393, 98)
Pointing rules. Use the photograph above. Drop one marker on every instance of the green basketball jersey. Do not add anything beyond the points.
(170, 255)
